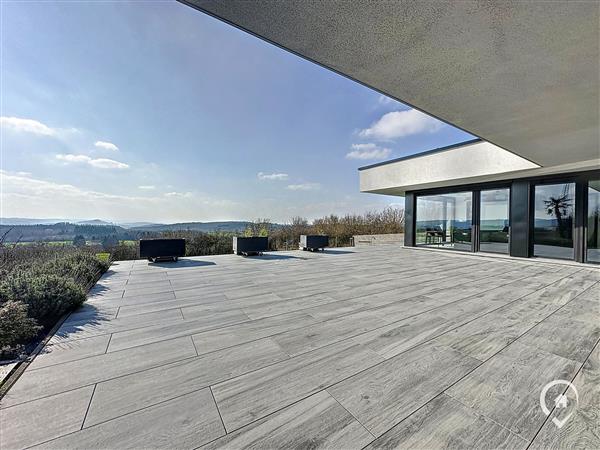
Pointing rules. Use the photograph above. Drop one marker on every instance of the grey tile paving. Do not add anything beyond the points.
(212, 340)
(305, 339)
(492, 332)
(317, 421)
(249, 397)
(184, 422)
(52, 380)
(518, 372)
(142, 290)
(61, 352)
(83, 328)
(446, 423)
(398, 337)
(47, 418)
(156, 333)
(262, 310)
(571, 332)
(128, 393)
(89, 312)
(138, 299)
(145, 308)
(386, 346)
(582, 430)
(382, 396)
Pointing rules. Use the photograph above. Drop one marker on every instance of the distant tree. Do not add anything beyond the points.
(260, 227)
(108, 242)
(79, 241)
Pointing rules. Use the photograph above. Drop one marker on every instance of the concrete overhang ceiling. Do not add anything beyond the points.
(523, 75)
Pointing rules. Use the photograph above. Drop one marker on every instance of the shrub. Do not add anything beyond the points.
(109, 242)
(16, 328)
(104, 257)
(339, 229)
(124, 252)
(83, 268)
(47, 296)
(79, 241)
(38, 284)
(198, 243)
(260, 227)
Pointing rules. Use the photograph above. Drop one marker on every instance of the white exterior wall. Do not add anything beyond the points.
(453, 166)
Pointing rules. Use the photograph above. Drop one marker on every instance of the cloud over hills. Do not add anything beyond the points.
(368, 151)
(397, 124)
(106, 145)
(100, 163)
(27, 126)
(304, 187)
(272, 176)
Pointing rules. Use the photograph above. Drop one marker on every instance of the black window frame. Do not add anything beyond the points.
(580, 179)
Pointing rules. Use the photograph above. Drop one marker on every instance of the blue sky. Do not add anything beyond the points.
(153, 111)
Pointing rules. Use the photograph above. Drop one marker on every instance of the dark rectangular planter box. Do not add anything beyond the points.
(250, 245)
(313, 242)
(155, 249)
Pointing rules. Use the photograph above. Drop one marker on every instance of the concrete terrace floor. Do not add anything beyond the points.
(375, 346)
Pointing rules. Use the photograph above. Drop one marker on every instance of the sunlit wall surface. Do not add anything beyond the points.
(553, 225)
(444, 220)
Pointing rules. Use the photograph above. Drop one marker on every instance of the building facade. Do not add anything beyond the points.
(524, 212)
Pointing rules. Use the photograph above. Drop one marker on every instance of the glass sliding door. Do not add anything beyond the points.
(493, 222)
(444, 220)
(593, 222)
(553, 220)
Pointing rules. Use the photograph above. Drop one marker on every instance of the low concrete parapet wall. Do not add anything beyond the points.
(378, 239)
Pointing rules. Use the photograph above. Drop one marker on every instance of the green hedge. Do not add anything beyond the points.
(47, 297)
(16, 327)
(81, 267)
(38, 286)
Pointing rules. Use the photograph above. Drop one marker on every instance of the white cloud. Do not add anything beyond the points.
(27, 126)
(304, 187)
(74, 158)
(104, 163)
(273, 176)
(24, 196)
(106, 145)
(368, 151)
(179, 194)
(147, 187)
(100, 163)
(398, 124)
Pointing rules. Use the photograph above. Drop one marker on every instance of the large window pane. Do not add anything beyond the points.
(593, 225)
(444, 220)
(493, 225)
(553, 226)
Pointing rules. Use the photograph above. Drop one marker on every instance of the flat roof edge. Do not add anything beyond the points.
(425, 153)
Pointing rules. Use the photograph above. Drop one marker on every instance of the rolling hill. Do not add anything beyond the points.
(229, 226)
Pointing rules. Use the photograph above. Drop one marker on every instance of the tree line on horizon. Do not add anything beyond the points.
(122, 244)
(340, 230)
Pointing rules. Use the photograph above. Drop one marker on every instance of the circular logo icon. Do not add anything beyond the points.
(561, 402)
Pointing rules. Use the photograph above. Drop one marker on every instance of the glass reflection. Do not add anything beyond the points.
(444, 220)
(493, 224)
(553, 226)
(593, 225)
